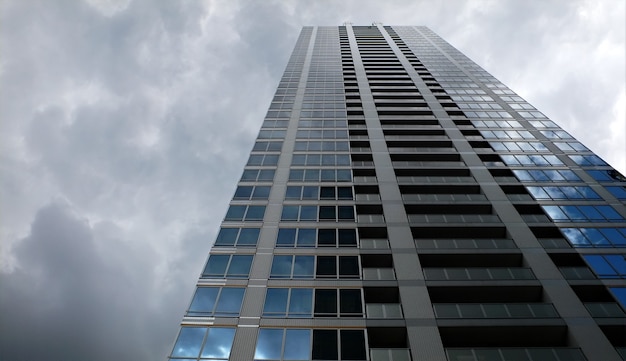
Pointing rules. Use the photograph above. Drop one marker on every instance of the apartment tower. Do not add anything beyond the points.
(400, 203)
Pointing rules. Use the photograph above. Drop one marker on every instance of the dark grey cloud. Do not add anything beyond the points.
(124, 126)
(83, 292)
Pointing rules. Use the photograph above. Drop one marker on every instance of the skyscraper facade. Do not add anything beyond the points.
(400, 203)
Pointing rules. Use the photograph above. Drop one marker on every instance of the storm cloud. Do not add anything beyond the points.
(124, 126)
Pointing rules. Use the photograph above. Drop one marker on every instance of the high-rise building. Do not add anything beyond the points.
(400, 203)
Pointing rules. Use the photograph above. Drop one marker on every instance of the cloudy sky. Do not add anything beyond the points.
(124, 126)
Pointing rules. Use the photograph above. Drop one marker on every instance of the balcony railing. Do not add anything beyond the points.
(378, 274)
(383, 310)
(478, 273)
(453, 218)
(494, 310)
(518, 354)
(390, 354)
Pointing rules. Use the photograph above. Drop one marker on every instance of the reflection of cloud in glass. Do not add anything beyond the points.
(230, 301)
(575, 237)
(276, 301)
(269, 344)
(204, 300)
(297, 344)
(240, 266)
(189, 341)
(301, 301)
(219, 342)
(303, 266)
(281, 266)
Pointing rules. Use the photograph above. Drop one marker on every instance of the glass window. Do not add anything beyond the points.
(352, 345)
(292, 267)
(288, 302)
(531, 160)
(506, 134)
(327, 193)
(563, 192)
(261, 192)
(263, 160)
(231, 266)
(308, 213)
(255, 159)
(536, 175)
(317, 175)
(620, 294)
(327, 237)
(293, 192)
(306, 237)
(269, 344)
(282, 267)
(328, 213)
(216, 301)
(571, 147)
(325, 345)
(518, 146)
(587, 160)
(235, 213)
(251, 175)
(582, 213)
(218, 343)
(300, 302)
(297, 344)
(344, 175)
(283, 344)
(227, 237)
(255, 213)
(267, 146)
(276, 300)
(241, 237)
(350, 302)
(325, 302)
(272, 134)
(286, 237)
(344, 193)
(290, 213)
(348, 266)
(247, 213)
(347, 237)
(310, 237)
(323, 267)
(216, 266)
(555, 134)
(239, 266)
(609, 175)
(617, 192)
(309, 192)
(326, 266)
(189, 342)
(248, 237)
(607, 266)
(243, 192)
(346, 212)
(266, 175)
